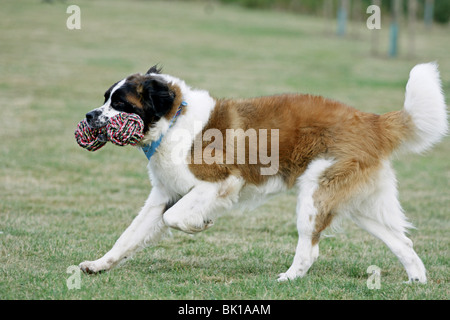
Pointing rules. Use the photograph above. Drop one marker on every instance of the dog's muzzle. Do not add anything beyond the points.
(94, 119)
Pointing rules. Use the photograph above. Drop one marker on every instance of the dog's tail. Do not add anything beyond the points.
(423, 120)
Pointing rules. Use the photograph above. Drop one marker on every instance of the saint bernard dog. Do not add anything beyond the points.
(337, 158)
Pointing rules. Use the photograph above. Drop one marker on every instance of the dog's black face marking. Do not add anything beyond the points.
(157, 96)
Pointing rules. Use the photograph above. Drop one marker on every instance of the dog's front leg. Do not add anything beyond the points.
(196, 210)
(146, 228)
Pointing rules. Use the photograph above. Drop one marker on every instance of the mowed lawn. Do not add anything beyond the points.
(61, 205)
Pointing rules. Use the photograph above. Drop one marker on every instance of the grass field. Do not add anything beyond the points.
(60, 205)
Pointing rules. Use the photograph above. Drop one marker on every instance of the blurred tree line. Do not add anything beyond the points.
(441, 7)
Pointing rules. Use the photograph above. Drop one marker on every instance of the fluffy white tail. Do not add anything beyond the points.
(425, 103)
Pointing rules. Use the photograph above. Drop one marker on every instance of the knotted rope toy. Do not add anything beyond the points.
(122, 129)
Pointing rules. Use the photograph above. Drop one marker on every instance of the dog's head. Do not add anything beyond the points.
(149, 96)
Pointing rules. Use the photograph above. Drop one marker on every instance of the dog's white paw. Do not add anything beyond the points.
(92, 267)
(290, 275)
(282, 277)
(198, 228)
(190, 223)
(421, 280)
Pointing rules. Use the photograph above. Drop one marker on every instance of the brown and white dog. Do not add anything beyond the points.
(336, 157)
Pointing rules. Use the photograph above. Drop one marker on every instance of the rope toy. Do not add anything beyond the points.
(125, 128)
(88, 137)
(122, 129)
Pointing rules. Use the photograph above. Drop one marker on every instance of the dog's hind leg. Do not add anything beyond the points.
(325, 188)
(307, 250)
(380, 214)
(399, 244)
(147, 227)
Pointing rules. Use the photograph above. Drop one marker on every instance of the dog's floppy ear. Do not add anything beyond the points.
(158, 96)
(154, 69)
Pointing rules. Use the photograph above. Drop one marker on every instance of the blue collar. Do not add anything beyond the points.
(150, 149)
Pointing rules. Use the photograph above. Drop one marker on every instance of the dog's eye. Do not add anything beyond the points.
(123, 106)
(118, 104)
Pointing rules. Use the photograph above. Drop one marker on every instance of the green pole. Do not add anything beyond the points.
(342, 17)
(393, 37)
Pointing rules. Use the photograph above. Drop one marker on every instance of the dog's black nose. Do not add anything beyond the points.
(95, 120)
(91, 115)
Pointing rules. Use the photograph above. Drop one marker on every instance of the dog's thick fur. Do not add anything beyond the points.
(338, 158)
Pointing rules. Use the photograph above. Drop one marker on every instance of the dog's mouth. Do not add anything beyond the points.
(98, 125)
(95, 124)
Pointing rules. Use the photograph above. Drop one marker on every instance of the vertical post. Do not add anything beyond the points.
(342, 17)
(428, 13)
(412, 14)
(393, 38)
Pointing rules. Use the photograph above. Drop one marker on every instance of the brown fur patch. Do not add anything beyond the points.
(134, 100)
(309, 127)
(176, 91)
(361, 144)
(137, 82)
(305, 123)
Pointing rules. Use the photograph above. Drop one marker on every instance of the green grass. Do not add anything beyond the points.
(60, 205)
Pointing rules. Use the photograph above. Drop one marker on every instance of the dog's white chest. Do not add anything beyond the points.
(175, 178)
